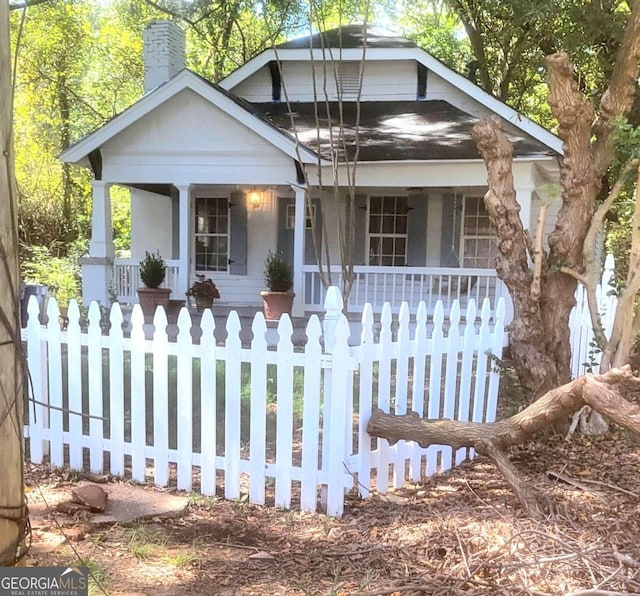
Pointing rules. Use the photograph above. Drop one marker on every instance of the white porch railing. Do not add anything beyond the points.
(126, 279)
(377, 285)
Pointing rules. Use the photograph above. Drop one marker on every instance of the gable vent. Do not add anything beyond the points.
(348, 74)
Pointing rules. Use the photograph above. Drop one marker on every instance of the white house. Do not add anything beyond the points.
(222, 173)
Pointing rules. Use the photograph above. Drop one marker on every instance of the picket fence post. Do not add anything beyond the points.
(116, 390)
(384, 394)
(37, 363)
(340, 421)
(435, 380)
(208, 400)
(284, 416)
(138, 396)
(333, 305)
(184, 401)
(94, 367)
(367, 355)
(419, 378)
(311, 415)
(54, 344)
(232, 385)
(258, 430)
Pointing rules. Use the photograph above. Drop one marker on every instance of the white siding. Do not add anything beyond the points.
(382, 80)
(439, 88)
(255, 88)
(150, 224)
(187, 139)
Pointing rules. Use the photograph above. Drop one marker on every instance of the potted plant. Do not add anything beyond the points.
(204, 291)
(153, 270)
(278, 277)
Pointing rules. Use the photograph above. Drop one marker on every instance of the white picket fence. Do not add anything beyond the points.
(250, 417)
(585, 356)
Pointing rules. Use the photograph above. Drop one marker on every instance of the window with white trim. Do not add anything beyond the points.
(290, 218)
(479, 242)
(211, 233)
(387, 230)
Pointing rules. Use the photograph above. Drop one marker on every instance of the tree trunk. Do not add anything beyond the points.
(535, 364)
(603, 393)
(12, 508)
(544, 296)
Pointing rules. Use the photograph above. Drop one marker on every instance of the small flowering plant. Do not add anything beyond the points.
(203, 288)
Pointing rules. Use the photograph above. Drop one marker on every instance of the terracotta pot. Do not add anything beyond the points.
(150, 298)
(276, 304)
(203, 302)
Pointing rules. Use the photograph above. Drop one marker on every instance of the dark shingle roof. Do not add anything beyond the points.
(350, 36)
(393, 130)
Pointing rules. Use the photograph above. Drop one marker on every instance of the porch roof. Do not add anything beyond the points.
(392, 130)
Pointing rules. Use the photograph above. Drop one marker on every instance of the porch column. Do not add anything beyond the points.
(97, 268)
(523, 196)
(183, 244)
(101, 229)
(298, 251)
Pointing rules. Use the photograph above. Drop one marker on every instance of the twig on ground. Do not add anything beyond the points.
(464, 556)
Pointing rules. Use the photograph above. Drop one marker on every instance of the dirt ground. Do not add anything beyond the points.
(459, 533)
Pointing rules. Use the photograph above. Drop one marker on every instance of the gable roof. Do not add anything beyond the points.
(395, 48)
(391, 130)
(350, 36)
(232, 105)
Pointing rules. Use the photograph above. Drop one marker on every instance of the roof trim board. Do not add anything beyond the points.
(186, 79)
(399, 53)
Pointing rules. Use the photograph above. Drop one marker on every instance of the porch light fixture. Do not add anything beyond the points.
(255, 199)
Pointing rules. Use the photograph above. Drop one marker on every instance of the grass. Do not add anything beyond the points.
(145, 543)
(97, 575)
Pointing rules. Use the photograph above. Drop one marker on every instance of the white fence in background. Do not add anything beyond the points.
(585, 356)
(248, 416)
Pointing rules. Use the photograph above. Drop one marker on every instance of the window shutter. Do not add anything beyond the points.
(309, 252)
(285, 235)
(417, 230)
(360, 238)
(238, 234)
(451, 222)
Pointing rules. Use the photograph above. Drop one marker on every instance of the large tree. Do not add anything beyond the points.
(543, 296)
(13, 511)
(542, 283)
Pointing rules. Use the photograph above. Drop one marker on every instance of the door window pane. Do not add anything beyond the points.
(212, 233)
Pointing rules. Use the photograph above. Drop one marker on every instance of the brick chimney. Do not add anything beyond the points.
(163, 53)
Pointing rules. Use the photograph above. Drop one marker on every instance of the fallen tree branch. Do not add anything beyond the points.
(602, 393)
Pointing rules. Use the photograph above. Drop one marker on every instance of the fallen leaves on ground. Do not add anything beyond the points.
(459, 533)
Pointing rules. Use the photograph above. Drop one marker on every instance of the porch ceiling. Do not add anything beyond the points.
(159, 189)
